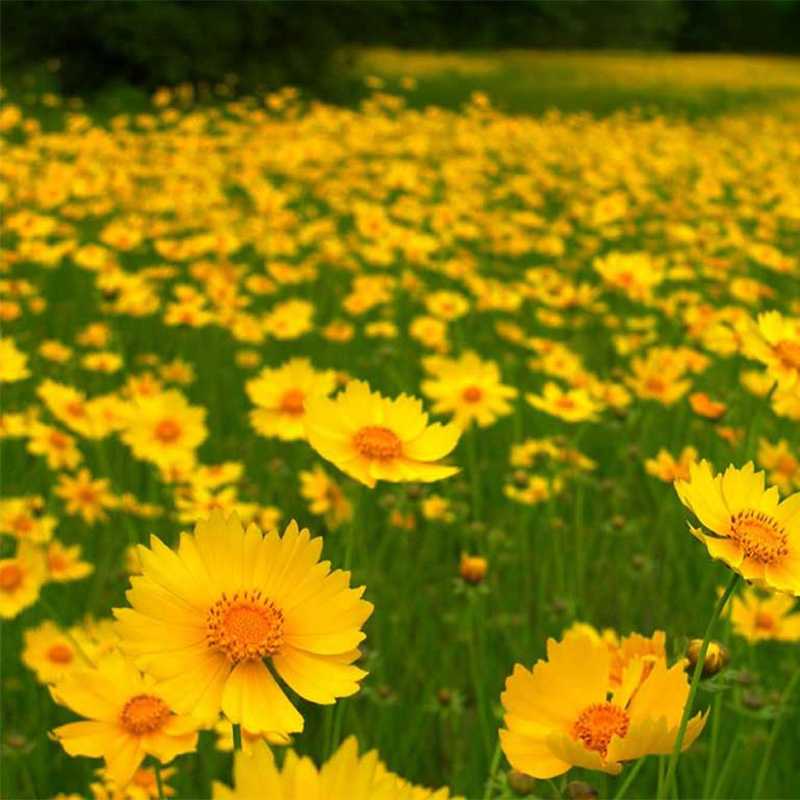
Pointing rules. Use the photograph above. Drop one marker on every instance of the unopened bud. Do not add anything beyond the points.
(717, 656)
(520, 783)
(473, 569)
(580, 790)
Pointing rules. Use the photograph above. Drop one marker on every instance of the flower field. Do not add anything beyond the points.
(405, 450)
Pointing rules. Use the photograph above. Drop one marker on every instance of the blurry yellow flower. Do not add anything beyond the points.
(325, 497)
(783, 467)
(51, 653)
(703, 405)
(774, 340)
(761, 618)
(573, 405)
(374, 438)
(207, 616)
(64, 563)
(473, 569)
(86, 497)
(437, 508)
(14, 362)
(21, 579)
(668, 469)
(24, 518)
(281, 396)
(469, 388)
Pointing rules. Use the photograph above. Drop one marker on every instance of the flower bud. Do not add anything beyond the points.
(520, 783)
(580, 790)
(717, 656)
(473, 569)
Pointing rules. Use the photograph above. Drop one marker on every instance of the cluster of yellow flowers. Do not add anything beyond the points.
(301, 249)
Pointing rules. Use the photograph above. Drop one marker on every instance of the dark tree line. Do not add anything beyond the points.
(273, 42)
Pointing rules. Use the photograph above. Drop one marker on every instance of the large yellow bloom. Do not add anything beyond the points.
(127, 718)
(281, 396)
(206, 617)
(567, 712)
(775, 341)
(344, 775)
(374, 438)
(469, 388)
(749, 528)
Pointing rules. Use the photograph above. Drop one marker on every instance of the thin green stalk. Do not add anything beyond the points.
(159, 781)
(773, 737)
(478, 681)
(492, 770)
(237, 736)
(623, 790)
(711, 766)
(698, 671)
(726, 768)
(554, 787)
(474, 472)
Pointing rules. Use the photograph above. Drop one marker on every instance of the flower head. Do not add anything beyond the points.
(206, 618)
(374, 438)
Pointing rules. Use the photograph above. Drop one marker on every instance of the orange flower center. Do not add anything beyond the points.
(789, 353)
(765, 621)
(10, 577)
(759, 535)
(60, 654)
(375, 441)
(656, 385)
(168, 430)
(247, 626)
(292, 403)
(23, 525)
(565, 403)
(75, 409)
(598, 723)
(56, 562)
(472, 394)
(144, 713)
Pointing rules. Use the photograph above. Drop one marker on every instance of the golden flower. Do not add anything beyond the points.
(473, 569)
(668, 469)
(205, 618)
(374, 438)
(51, 653)
(86, 497)
(325, 497)
(127, 718)
(14, 362)
(749, 528)
(774, 340)
(761, 618)
(21, 579)
(281, 396)
(573, 405)
(565, 712)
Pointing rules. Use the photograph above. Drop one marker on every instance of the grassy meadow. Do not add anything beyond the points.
(570, 257)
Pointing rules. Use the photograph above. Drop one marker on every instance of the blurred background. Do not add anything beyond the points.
(93, 48)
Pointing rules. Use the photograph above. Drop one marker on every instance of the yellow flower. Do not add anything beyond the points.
(67, 405)
(325, 497)
(469, 388)
(21, 579)
(345, 774)
(142, 786)
(667, 469)
(749, 529)
(774, 340)
(126, 719)
(782, 465)
(374, 438)
(761, 619)
(165, 429)
(224, 731)
(281, 396)
(14, 362)
(64, 563)
(24, 519)
(50, 653)
(56, 446)
(86, 497)
(206, 617)
(574, 405)
(566, 712)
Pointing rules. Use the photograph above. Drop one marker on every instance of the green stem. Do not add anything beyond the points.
(159, 782)
(477, 677)
(773, 737)
(726, 768)
(492, 770)
(711, 769)
(698, 671)
(623, 790)
(237, 736)
(474, 472)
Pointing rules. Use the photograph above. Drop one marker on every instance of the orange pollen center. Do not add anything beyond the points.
(565, 403)
(598, 723)
(789, 353)
(144, 713)
(168, 430)
(10, 577)
(759, 535)
(472, 394)
(60, 654)
(765, 621)
(375, 441)
(292, 403)
(23, 525)
(656, 384)
(56, 562)
(86, 494)
(76, 409)
(246, 626)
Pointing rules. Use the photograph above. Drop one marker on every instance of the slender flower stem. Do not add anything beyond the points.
(492, 770)
(698, 671)
(623, 790)
(474, 472)
(159, 782)
(237, 736)
(773, 737)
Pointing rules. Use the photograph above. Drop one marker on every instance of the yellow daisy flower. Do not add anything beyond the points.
(281, 395)
(21, 579)
(374, 438)
(206, 618)
(126, 719)
(566, 712)
(762, 618)
(774, 340)
(749, 528)
(51, 653)
(346, 774)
